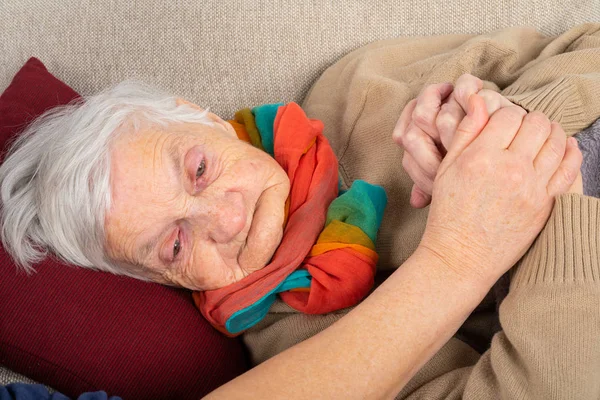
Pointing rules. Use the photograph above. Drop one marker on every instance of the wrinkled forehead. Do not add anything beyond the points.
(139, 176)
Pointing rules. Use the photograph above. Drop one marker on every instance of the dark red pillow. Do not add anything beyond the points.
(77, 330)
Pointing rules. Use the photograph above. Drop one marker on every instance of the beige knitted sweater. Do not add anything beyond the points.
(548, 345)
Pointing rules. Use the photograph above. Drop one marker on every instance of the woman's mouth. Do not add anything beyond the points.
(264, 235)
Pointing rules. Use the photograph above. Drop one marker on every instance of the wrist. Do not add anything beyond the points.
(465, 266)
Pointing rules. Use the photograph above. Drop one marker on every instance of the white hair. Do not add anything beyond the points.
(55, 180)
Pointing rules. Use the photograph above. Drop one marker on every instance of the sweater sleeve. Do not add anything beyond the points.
(548, 348)
(563, 81)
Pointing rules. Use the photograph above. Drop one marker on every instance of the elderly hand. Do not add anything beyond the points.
(427, 125)
(495, 188)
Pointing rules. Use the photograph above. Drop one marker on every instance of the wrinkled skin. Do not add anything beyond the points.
(194, 206)
(428, 124)
(494, 189)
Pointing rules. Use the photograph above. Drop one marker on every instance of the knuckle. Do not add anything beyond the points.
(529, 202)
(538, 121)
(446, 120)
(398, 135)
(515, 176)
(491, 98)
(422, 116)
(471, 82)
(410, 139)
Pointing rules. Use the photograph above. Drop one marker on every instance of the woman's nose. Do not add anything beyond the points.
(220, 216)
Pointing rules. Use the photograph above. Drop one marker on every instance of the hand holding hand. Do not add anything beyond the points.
(495, 188)
(427, 126)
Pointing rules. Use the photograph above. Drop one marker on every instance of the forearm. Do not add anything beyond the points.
(374, 350)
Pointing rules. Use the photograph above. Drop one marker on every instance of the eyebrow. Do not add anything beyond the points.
(145, 250)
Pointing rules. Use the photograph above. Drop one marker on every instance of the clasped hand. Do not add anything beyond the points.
(490, 170)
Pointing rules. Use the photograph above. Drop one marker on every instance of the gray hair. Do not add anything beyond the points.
(55, 180)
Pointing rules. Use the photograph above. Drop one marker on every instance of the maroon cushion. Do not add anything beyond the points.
(77, 330)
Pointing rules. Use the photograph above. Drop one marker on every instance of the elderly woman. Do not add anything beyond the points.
(135, 182)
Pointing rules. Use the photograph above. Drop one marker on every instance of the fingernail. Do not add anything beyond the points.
(573, 142)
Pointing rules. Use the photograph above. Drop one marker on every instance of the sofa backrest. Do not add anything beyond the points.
(232, 54)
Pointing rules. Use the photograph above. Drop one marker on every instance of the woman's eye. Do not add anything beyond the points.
(200, 169)
(176, 248)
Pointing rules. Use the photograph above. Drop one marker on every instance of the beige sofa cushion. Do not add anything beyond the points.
(228, 54)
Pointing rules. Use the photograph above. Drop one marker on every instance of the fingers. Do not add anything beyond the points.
(418, 198)
(469, 129)
(450, 115)
(423, 151)
(502, 127)
(403, 122)
(551, 154)
(532, 135)
(465, 86)
(428, 106)
(567, 171)
(423, 180)
(422, 157)
(455, 109)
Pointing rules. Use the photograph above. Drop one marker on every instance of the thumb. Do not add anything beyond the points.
(470, 127)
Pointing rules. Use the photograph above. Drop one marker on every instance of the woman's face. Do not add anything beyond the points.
(194, 204)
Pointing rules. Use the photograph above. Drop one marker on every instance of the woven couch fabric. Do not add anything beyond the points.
(231, 54)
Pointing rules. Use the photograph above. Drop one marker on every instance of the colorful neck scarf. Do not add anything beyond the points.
(326, 260)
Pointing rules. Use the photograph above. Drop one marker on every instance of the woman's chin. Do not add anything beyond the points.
(259, 253)
(260, 246)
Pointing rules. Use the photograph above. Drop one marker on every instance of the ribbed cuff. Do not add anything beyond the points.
(567, 249)
(559, 100)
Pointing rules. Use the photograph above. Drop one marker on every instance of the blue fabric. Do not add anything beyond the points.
(264, 118)
(25, 391)
(254, 313)
(589, 144)
(362, 205)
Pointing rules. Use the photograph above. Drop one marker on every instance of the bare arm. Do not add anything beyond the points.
(396, 329)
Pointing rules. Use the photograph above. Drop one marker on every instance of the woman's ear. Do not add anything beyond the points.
(213, 117)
